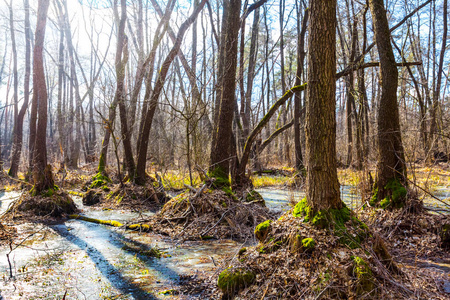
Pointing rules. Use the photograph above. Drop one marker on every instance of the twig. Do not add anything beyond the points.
(427, 192)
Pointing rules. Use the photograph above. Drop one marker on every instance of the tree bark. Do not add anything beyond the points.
(120, 64)
(42, 173)
(220, 151)
(391, 160)
(18, 117)
(301, 54)
(436, 93)
(322, 186)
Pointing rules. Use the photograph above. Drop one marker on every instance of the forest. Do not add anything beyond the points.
(224, 149)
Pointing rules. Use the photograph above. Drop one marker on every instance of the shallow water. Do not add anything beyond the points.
(92, 261)
(6, 198)
(279, 199)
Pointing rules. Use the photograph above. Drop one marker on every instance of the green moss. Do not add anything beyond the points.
(262, 230)
(99, 180)
(302, 209)
(321, 219)
(242, 251)
(101, 164)
(398, 192)
(48, 193)
(335, 219)
(364, 275)
(374, 199)
(308, 244)
(232, 280)
(170, 292)
(254, 196)
(221, 178)
(385, 203)
(76, 193)
(396, 195)
(45, 193)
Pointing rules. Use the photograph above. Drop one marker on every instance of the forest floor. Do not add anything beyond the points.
(192, 232)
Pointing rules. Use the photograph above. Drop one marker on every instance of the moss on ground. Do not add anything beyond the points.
(221, 181)
(99, 180)
(232, 280)
(364, 275)
(308, 244)
(262, 230)
(336, 220)
(254, 196)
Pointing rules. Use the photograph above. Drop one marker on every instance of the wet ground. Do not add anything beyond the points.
(91, 261)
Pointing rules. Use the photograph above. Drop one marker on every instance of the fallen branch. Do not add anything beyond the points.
(138, 226)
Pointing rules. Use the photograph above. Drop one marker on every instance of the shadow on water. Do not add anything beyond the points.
(109, 271)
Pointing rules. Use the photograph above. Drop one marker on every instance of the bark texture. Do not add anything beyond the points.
(42, 174)
(322, 186)
(391, 160)
(220, 152)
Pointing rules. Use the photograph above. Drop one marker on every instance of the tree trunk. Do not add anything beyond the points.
(436, 93)
(120, 64)
(391, 164)
(322, 186)
(220, 151)
(140, 177)
(299, 165)
(42, 173)
(18, 117)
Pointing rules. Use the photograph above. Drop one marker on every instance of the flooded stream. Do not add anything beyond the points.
(279, 199)
(91, 261)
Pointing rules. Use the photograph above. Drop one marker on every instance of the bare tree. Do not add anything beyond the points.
(42, 173)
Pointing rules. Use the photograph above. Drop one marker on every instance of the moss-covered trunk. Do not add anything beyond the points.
(391, 166)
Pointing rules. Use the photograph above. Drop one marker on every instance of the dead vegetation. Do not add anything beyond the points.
(206, 213)
(7, 234)
(53, 204)
(295, 260)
